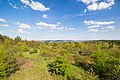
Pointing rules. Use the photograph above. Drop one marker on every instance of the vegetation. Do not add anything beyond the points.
(32, 60)
(59, 67)
(8, 62)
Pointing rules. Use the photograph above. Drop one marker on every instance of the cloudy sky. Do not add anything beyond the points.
(60, 19)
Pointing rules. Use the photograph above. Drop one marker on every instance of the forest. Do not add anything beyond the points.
(35, 60)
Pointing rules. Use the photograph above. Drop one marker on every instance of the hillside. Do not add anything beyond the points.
(59, 60)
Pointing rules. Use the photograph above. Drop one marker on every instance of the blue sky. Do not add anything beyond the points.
(60, 19)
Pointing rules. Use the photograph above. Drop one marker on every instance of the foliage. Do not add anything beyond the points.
(83, 61)
(3, 66)
(107, 64)
(8, 63)
(59, 66)
(69, 72)
(32, 51)
(78, 60)
(21, 46)
(77, 73)
(18, 38)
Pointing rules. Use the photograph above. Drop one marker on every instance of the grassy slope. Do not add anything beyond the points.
(33, 69)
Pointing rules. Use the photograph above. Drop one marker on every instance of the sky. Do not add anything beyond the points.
(60, 19)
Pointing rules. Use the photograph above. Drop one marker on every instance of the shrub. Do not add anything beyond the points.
(59, 66)
(21, 46)
(83, 61)
(33, 51)
(63, 52)
(66, 71)
(48, 53)
(8, 63)
(3, 66)
(77, 73)
(106, 66)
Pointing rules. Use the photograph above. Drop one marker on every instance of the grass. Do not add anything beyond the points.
(34, 69)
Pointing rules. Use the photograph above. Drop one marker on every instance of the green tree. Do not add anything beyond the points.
(18, 38)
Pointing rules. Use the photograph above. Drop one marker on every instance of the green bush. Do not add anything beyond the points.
(21, 46)
(77, 73)
(83, 61)
(106, 66)
(3, 66)
(8, 63)
(66, 71)
(3, 74)
(33, 51)
(63, 52)
(48, 53)
(59, 66)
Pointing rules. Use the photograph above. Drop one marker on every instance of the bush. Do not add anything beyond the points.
(66, 71)
(59, 66)
(3, 73)
(77, 73)
(63, 52)
(21, 46)
(48, 53)
(83, 61)
(8, 63)
(33, 51)
(106, 66)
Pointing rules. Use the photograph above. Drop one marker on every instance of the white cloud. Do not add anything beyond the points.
(71, 28)
(23, 31)
(93, 30)
(25, 1)
(85, 1)
(43, 24)
(13, 6)
(58, 22)
(16, 23)
(35, 5)
(104, 26)
(60, 28)
(93, 5)
(2, 20)
(88, 1)
(100, 6)
(111, 27)
(93, 26)
(85, 10)
(24, 26)
(56, 26)
(45, 16)
(4, 25)
(98, 22)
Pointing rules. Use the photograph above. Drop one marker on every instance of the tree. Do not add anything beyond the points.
(18, 38)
